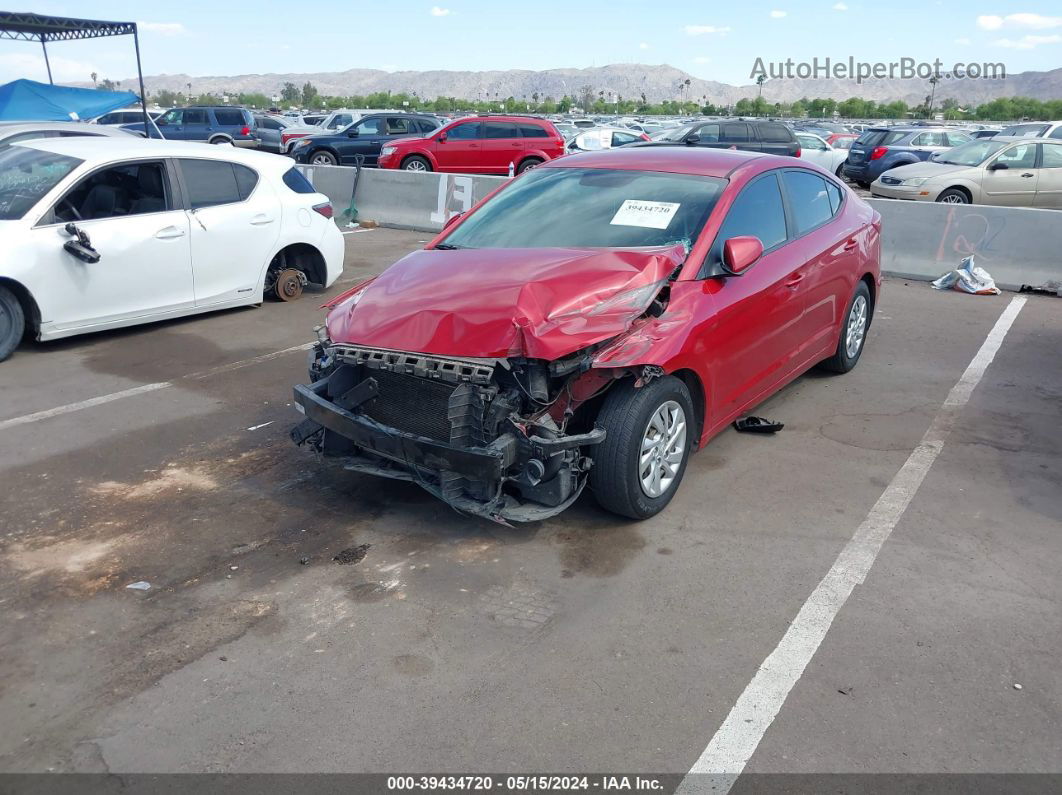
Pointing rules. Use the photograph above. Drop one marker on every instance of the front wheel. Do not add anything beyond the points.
(416, 163)
(12, 323)
(953, 196)
(853, 332)
(649, 432)
(323, 159)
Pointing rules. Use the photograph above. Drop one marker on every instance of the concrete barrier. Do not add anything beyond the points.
(401, 199)
(1019, 246)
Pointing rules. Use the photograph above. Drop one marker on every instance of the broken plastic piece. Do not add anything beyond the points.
(141, 585)
(757, 425)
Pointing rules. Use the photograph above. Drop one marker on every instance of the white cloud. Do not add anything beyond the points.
(965, 42)
(702, 59)
(643, 46)
(701, 30)
(840, 7)
(440, 12)
(163, 28)
(1028, 42)
(64, 70)
(777, 14)
(1029, 21)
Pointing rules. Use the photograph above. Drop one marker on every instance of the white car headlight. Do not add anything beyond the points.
(387, 150)
(302, 142)
(915, 182)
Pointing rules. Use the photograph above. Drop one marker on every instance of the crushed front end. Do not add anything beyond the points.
(497, 438)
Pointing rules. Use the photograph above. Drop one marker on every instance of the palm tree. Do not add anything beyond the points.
(686, 83)
(759, 82)
(94, 76)
(932, 95)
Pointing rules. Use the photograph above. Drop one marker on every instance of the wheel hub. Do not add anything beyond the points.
(857, 327)
(662, 449)
(289, 284)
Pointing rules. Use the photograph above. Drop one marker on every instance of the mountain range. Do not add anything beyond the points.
(629, 81)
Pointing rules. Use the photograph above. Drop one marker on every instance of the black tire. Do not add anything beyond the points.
(322, 158)
(416, 163)
(863, 185)
(12, 323)
(625, 415)
(953, 196)
(842, 361)
(219, 140)
(531, 162)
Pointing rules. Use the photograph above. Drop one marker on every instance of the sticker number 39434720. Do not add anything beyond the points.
(653, 215)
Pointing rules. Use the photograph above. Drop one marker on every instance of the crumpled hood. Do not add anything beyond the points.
(493, 303)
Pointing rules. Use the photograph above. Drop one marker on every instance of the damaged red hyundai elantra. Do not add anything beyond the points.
(591, 323)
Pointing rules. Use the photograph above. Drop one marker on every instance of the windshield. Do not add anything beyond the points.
(1026, 130)
(676, 134)
(26, 175)
(971, 154)
(592, 208)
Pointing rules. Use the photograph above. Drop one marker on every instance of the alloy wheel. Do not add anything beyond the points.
(857, 327)
(663, 445)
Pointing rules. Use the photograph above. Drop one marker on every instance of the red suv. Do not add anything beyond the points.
(478, 145)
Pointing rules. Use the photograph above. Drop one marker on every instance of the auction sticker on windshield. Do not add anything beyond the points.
(653, 215)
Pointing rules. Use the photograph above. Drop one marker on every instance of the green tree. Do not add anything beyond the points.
(309, 94)
(290, 93)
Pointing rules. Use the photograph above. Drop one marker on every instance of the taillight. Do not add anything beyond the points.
(646, 137)
(324, 209)
(797, 152)
(879, 151)
(245, 131)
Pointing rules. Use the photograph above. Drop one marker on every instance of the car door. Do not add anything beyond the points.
(171, 124)
(364, 137)
(927, 144)
(460, 148)
(1049, 181)
(134, 219)
(814, 149)
(196, 125)
(1010, 179)
(755, 337)
(269, 133)
(502, 147)
(831, 257)
(235, 222)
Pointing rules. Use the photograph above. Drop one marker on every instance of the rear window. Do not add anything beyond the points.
(775, 133)
(880, 137)
(735, 132)
(230, 118)
(532, 131)
(294, 179)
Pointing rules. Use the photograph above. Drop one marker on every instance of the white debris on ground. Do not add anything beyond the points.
(968, 278)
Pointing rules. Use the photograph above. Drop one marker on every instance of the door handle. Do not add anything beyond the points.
(169, 233)
(794, 280)
(1027, 174)
(851, 244)
(261, 219)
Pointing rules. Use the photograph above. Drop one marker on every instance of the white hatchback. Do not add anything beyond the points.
(106, 232)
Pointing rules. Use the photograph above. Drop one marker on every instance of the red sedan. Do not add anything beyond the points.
(591, 323)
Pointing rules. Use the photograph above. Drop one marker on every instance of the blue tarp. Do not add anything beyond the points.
(27, 100)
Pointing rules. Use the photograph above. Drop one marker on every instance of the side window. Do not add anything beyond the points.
(773, 133)
(929, 139)
(956, 138)
(621, 139)
(399, 126)
(1052, 155)
(809, 202)
(464, 132)
(128, 189)
(836, 196)
(174, 116)
(210, 182)
(757, 211)
(195, 117)
(1056, 133)
(229, 117)
(735, 132)
(371, 127)
(425, 126)
(709, 133)
(532, 130)
(501, 129)
(246, 180)
(1021, 156)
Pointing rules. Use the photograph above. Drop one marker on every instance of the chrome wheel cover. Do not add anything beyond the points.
(857, 327)
(663, 445)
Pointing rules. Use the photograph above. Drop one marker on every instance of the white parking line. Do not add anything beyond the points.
(70, 408)
(356, 231)
(740, 734)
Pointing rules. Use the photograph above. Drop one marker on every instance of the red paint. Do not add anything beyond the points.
(740, 252)
(448, 152)
(739, 338)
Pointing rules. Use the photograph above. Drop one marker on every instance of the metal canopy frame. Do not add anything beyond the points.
(37, 27)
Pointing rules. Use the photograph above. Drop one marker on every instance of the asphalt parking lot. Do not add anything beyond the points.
(585, 643)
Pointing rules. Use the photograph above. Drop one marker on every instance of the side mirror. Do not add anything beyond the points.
(740, 252)
(693, 139)
(452, 220)
(997, 166)
(441, 138)
(352, 133)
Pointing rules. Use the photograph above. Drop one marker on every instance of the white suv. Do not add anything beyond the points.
(101, 233)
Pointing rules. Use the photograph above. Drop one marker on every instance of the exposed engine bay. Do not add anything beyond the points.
(505, 439)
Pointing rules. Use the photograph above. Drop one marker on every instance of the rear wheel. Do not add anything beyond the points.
(416, 163)
(220, 140)
(853, 332)
(649, 434)
(12, 323)
(953, 196)
(530, 163)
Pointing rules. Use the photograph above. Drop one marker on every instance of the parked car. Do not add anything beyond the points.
(477, 145)
(1034, 129)
(771, 137)
(270, 132)
(593, 321)
(113, 232)
(566, 129)
(11, 132)
(212, 125)
(1008, 171)
(839, 140)
(604, 138)
(815, 150)
(880, 148)
(365, 137)
(119, 117)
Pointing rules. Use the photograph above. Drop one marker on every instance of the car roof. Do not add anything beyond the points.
(106, 150)
(12, 127)
(696, 160)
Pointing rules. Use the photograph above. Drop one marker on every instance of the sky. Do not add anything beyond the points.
(721, 43)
